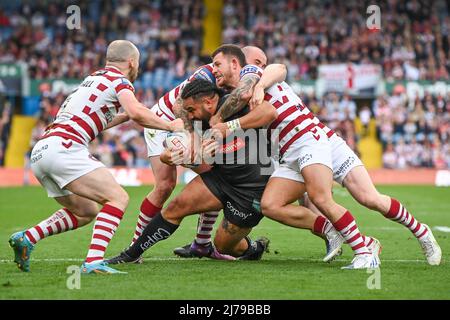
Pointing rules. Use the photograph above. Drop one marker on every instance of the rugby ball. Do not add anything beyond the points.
(178, 140)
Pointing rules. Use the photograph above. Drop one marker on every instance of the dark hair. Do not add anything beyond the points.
(199, 88)
(231, 50)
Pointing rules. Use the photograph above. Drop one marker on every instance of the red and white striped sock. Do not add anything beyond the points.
(321, 225)
(61, 221)
(347, 227)
(367, 240)
(205, 226)
(398, 213)
(106, 224)
(147, 211)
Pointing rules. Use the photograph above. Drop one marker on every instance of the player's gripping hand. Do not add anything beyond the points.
(221, 129)
(215, 119)
(172, 157)
(176, 125)
(257, 97)
(209, 150)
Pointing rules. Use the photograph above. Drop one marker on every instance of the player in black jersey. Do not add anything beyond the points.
(235, 184)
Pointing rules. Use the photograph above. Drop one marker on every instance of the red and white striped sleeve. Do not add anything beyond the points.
(121, 84)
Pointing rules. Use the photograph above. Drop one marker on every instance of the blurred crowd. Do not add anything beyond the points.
(413, 44)
(414, 132)
(168, 34)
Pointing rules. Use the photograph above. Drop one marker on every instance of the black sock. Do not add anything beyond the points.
(251, 249)
(158, 229)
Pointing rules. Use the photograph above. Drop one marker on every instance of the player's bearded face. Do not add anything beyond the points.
(199, 110)
(222, 70)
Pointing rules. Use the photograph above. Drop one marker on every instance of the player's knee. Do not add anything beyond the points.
(83, 210)
(175, 209)
(89, 211)
(269, 208)
(321, 201)
(120, 199)
(82, 221)
(369, 200)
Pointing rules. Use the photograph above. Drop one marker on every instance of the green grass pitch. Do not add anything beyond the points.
(292, 270)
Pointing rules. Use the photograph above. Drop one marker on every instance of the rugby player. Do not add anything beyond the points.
(61, 162)
(169, 108)
(349, 171)
(227, 77)
(235, 187)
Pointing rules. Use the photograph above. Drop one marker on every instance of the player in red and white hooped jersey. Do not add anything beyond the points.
(166, 175)
(61, 162)
(91, 107)
(228, 73)
(348, 170)
(304, 149)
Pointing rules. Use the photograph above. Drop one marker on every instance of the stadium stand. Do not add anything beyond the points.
(414, 132)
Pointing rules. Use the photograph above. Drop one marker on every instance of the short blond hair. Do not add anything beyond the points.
(121, 51)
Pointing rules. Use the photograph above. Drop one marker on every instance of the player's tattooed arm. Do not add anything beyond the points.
(179, 112)
(237, 99)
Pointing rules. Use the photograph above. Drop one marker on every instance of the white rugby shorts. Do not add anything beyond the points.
(311, 148)
(154, 140)
(56, 162)
(343, 159)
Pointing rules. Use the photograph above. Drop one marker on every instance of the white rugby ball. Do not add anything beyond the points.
(178, 141)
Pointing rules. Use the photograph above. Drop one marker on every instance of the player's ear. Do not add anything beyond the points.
(234, 63)
(209, 104)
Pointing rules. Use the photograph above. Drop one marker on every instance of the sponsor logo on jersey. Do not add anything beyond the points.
(233, 146)
(203, 74)
(250, 69)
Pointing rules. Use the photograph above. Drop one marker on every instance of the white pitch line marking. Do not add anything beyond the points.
(442, 229)
(182, 259)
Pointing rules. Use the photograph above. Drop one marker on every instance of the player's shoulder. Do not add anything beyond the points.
(110, 74)
(251, 69)
(123, 83)
(204, 72)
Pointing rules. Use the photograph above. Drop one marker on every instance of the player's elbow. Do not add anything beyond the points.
(245, 95)
(135, 115)
(282, 69)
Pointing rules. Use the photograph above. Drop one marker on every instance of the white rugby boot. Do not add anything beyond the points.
(375, 248)
(334, 244)
(363, 261)
(430, 247)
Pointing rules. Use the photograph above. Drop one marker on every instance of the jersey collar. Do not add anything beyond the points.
(113, 69)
